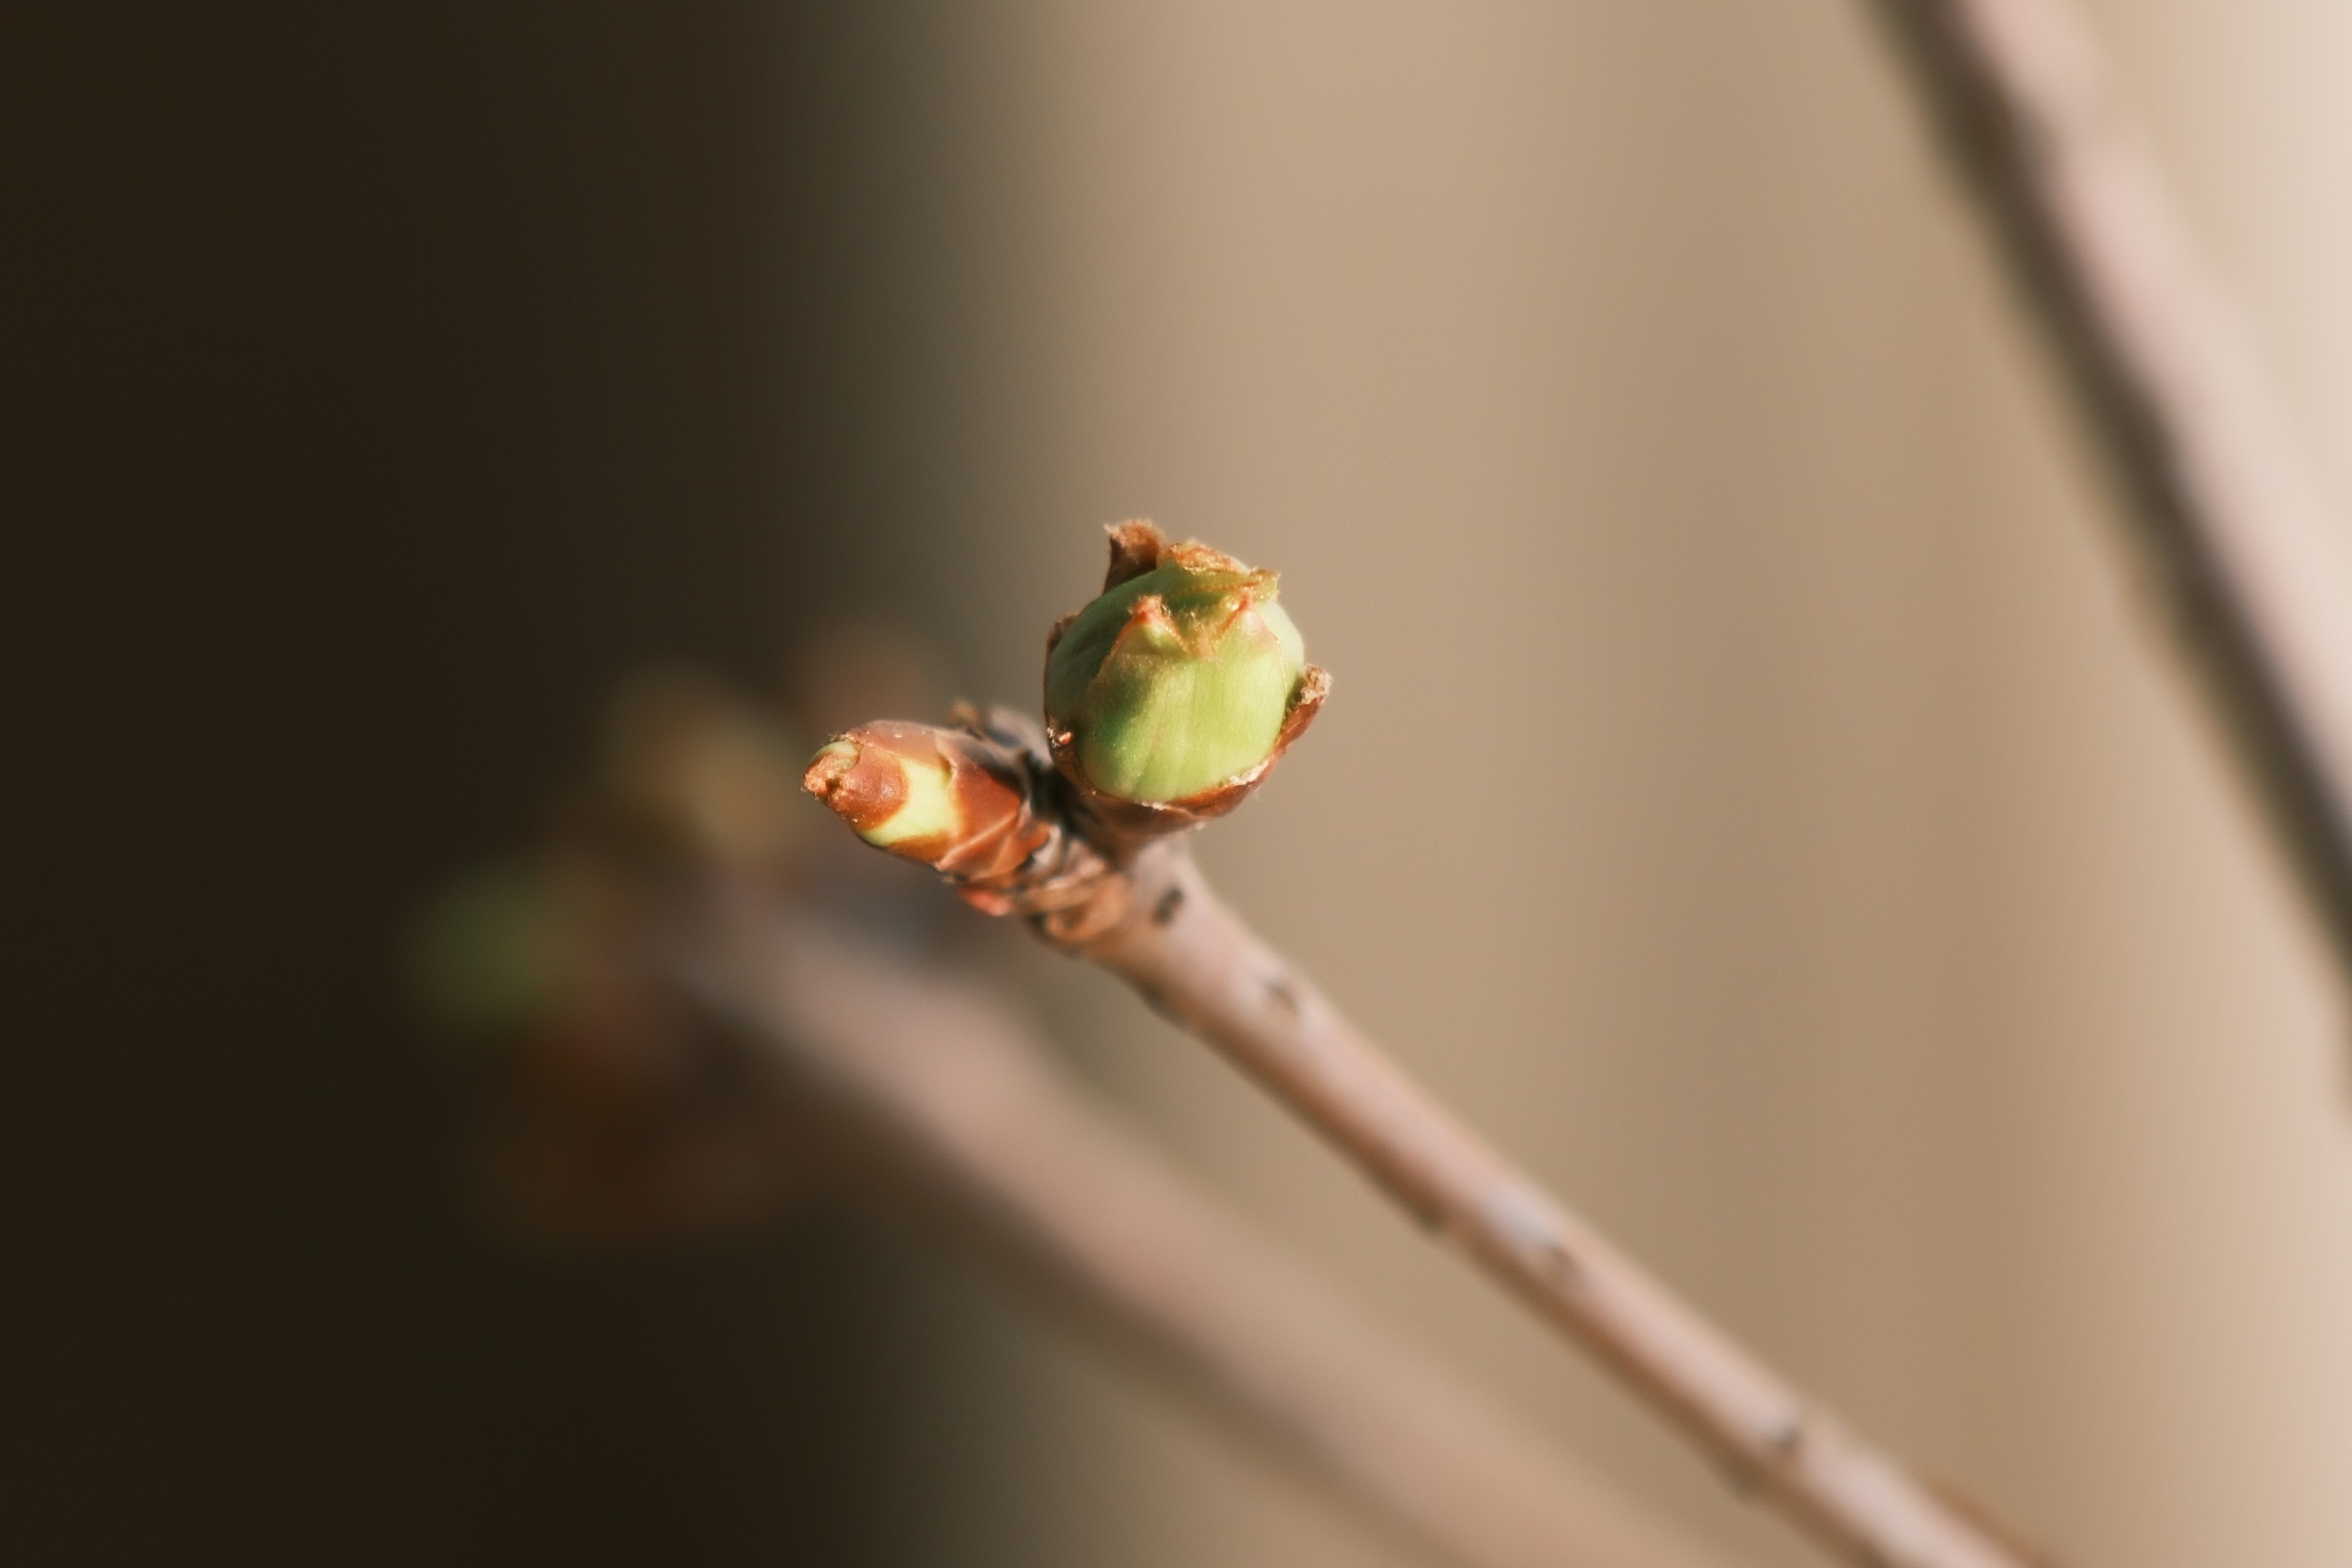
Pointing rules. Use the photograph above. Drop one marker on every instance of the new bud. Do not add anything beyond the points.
(1179, 680)
(945, 798)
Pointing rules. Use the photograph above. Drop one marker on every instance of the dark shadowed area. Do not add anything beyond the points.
(397, 377)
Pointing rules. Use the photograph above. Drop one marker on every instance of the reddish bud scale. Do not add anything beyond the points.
(979, 803)
(968, 807)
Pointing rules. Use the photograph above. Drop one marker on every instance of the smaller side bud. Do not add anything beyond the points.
(980, 803)
(944, 797)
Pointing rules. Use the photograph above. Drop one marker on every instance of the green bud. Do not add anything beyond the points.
(1177, 680)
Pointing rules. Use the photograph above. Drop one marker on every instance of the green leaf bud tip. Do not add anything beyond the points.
(1177, 680)
(953, 799)
(892, 794)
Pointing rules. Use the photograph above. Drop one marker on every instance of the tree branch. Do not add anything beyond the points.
(1014, 818)
(659, 926)
(1193, 960)
(2246, 557)
(699, 1050)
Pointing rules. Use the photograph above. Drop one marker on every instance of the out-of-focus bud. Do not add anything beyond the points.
(489, 952)
(703, 771)
(1182, 681)
(945, 798)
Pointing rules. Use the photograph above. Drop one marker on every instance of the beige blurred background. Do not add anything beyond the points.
(1869, 937)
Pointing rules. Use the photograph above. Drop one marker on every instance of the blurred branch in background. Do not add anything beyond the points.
(948, 1094)
(2246, 558)
(701, 1045)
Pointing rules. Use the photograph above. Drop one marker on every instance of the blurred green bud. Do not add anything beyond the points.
(487, 954)
(1179, 678)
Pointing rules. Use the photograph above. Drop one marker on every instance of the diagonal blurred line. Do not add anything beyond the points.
(958, 1108)
(2250, 565)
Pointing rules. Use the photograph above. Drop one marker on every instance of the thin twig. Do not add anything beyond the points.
(2246, 556)
(1142, 910)
(946, 1094)
(1191, 958)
